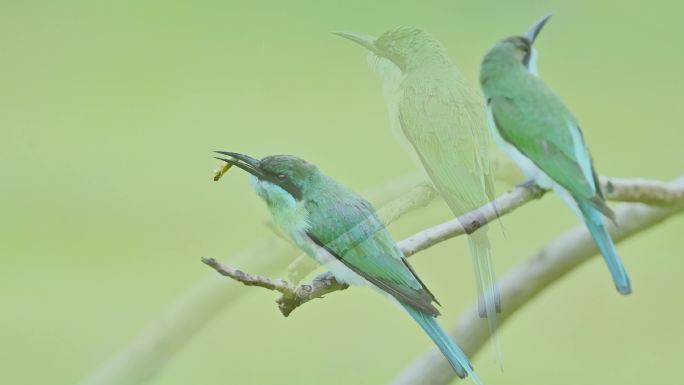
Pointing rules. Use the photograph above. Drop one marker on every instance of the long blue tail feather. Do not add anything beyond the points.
(489, 299)
(594, 221)
(456, 357)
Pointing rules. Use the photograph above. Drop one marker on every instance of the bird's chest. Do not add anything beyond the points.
(393, 94)
(530, 170)
(292, 218)
(294, 221)
(289, 214)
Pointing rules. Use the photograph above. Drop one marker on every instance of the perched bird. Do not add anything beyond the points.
(533, 125)
(443, 119)
(341, 231)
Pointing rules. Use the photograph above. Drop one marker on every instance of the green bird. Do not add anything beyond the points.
(342, 232)
(443, 119)
(532, 124)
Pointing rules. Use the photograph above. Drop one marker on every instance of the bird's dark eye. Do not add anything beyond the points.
(524, 55)
(281, 177)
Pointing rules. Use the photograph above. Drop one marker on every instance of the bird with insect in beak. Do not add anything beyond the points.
(534, 127)
(443, 119)
(342, 232)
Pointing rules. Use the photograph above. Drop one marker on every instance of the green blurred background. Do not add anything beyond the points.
(109, 111)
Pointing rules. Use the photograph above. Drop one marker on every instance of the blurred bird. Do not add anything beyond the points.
(533, 125)
(341, 231)
(443, 119)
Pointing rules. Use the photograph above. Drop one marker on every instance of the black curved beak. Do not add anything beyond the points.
(364, 40)
(534, 30)
(245, 162)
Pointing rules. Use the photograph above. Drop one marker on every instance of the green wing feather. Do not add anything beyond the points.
(539, 125)
(446, 128)
(443, 119)
(350, 230)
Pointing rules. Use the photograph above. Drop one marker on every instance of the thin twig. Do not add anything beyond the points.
(647, 191)
(292, 297)
(248, 279)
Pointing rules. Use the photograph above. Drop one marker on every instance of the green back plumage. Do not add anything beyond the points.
(440, 115)
(533, 118)
(444, 122)
(317, 210)
(443, 119)
(347, 226)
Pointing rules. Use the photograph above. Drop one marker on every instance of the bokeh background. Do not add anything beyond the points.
(109, 111)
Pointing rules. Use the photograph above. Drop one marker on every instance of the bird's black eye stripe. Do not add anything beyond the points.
(527, 52)
(285, 183)
(292, 189)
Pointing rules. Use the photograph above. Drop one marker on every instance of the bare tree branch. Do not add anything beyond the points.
(470, 222)
(292, 297)
(647, 191)
(550, 264)
(650, 191)
(248, 279)
(321, 285)
(416, 197)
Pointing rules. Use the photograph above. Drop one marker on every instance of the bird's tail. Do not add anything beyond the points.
(489, 299)
(456, 357)
(594, 221)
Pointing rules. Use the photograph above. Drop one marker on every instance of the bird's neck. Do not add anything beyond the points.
(432, 62)
(495, 74)
(385, 68)
(416, 64)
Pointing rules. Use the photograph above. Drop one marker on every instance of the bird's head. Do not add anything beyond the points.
(405, 47)
(518, 50)
(281, 180)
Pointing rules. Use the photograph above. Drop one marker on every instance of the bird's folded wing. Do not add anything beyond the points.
(547, 134)
(351, 232)
(450, 138)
